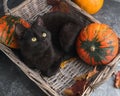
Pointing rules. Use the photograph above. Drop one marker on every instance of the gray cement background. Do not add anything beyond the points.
(14, 83)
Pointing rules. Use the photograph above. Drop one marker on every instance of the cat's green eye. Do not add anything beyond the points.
(34, 39)
(44, 34)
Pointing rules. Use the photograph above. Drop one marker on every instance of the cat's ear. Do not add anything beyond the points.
(39, 21)
(19, 30)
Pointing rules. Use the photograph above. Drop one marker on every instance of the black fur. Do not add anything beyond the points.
(46, 52)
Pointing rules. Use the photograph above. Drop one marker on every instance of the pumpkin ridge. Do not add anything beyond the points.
(111, 49)
(97, 30)
(105, 53)
(4, 30)
(11, 20)
(101, 58)
(102, 29)
(86, 29)
(8, 32)
(10, 38)
(95, 33)
(1, 37)
(105, 37)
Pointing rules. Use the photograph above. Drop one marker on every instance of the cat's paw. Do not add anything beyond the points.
(52, 70)
(49, 72)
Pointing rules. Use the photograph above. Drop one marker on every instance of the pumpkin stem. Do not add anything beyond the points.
(92, 48)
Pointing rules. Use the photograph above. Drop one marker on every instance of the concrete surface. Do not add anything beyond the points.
(109, 14)
(14, 83)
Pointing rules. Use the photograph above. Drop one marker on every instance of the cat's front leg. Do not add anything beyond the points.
(51, 70)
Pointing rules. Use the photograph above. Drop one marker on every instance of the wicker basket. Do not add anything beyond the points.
(55, 85)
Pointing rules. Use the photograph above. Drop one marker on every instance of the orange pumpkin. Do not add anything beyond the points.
(7, 30)
(97, 44)
(90, 6)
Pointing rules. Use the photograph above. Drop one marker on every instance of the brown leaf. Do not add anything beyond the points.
(53, 2)
(65, 62)
(59, 5)
(64, 7)
(117, 80)
(77, 88)
(69, 92)
(81, 83)
(87, 75)
(83, 76)
(92, 73)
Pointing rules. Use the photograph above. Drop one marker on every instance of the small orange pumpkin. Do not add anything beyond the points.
(7, 30)
(90, 6)
(97, 44)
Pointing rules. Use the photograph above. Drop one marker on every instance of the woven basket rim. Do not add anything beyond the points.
(7, 10)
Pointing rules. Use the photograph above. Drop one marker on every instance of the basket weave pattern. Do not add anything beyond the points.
(55, 85)
(29, 9)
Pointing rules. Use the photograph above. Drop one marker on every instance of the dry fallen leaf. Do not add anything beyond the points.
(81, 82)
(117, 80)
(58, 5)
(77, 88)
(87, 75)
(53, 2)
(92, 73)
(82, 76)
(64, 63)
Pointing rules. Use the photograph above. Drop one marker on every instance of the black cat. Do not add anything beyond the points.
(49, 39)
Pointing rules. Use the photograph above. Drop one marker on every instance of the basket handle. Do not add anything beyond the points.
(9, 11)
(6, 9)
